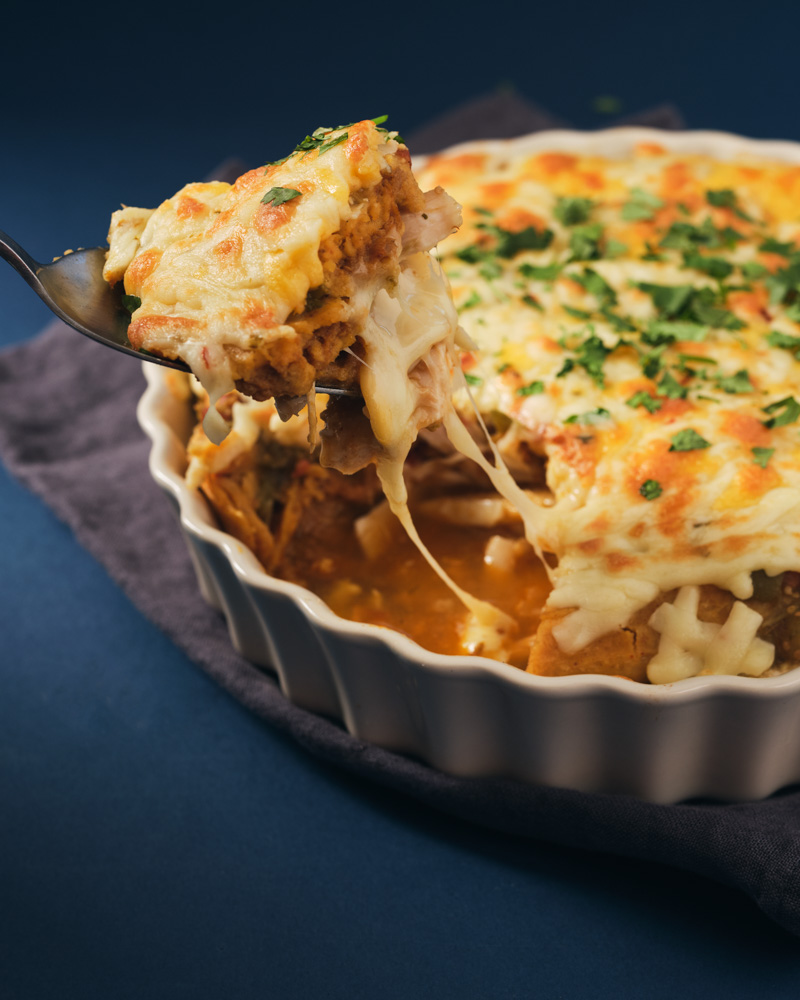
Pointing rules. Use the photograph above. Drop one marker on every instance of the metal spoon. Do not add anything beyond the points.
(74, 289)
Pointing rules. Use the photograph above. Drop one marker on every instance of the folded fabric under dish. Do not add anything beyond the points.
(86, 457)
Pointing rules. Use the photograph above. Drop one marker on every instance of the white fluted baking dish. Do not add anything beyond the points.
(733, 738)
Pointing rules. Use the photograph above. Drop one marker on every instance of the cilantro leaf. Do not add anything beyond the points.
(620, 323)
(726, 198)
(785, 283)
(573, 211)
(671, 388)
(688, 440)
(584, 243)
(577, 313)
(716, 267)
(643, 398)
(686, 237)
(704, 310)
(279, 196)
(473, 379)
(591, 356)
(723, 198)
(615, 248)
(472, 300)
(752, 270)
(642, 205)
(786, 411)
(592, 417)
(531, 389)
(740, 382)
(761, 456)
(784, 340)
(651, 489)
(652, 362)
(771, 245)
(490, 270)
(663, 331)
(668, 300)
(131, 302)
(529, 300)
(548, 272)
(509, 243)
(596, 285)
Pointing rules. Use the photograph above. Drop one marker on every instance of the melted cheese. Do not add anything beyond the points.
(223, 273)
(652, 286)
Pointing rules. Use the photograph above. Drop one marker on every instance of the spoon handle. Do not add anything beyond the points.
(21, 261)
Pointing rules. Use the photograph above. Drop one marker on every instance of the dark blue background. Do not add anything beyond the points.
(155, 839)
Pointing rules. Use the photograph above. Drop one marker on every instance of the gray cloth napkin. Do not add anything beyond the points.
(84, 454)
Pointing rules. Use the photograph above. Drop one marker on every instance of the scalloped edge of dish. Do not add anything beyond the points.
(729, 738)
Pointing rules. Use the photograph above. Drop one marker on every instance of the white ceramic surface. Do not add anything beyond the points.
(720, 737)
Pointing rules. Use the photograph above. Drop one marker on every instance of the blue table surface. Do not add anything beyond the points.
(156, 840)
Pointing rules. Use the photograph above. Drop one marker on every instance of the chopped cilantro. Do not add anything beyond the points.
(651, 489)
(490, 270)
(688, 440)
(529, 300)
(566, 368)
(785, 283)
(670, 387)
(695, 305)
(686, 237)
(643, 398)
(725, 198)
(473, 254)
(279, 196)
(642, 205)
(592, 417)
(716, 267)
(577, 313)
(793, 312)
(786, 411)
(317, 140)
(573, 211)
(771, 245)
(472, 300)
(662, 331)
(473, 379)
(509, 244)
(591, 356)
(704, 310)
(784, 340)
(740, 382)
(761, 456)
(584, 242)
(548, 272)
(652, 361)
(668, 300)
(700, 358)
(482, 211)
(620, 323)
(131, 302)
(531, 389)
(614, 248)
(752, 270)
(596, 285)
